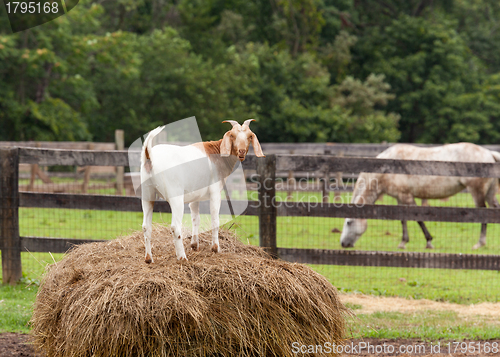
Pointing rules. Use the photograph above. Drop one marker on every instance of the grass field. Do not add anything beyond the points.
(16, 304)
(460, 286)
(426, 325)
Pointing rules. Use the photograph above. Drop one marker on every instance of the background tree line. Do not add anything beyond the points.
(307, 70)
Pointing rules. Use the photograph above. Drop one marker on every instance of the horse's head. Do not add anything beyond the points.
(353, 229)
(366, 191)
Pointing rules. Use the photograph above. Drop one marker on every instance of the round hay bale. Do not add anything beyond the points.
(103, 300)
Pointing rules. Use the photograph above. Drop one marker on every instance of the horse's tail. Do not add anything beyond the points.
(496, 155)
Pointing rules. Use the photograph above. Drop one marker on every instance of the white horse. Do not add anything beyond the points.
(405, 188)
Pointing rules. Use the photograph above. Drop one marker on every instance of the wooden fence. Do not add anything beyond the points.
(267, 209)
(34, 170)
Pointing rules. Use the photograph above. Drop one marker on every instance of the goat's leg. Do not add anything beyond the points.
(147, 222)
(177, 206)
(195, 218)
(215, 198)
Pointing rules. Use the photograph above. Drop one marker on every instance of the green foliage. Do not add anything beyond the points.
(434, 75)
(308, 70)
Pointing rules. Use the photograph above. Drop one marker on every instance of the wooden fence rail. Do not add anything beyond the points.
(49, 186)
(267, 208)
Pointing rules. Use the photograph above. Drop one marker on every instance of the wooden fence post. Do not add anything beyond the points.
(10, 243)
(290, 182)
(88, 169)
(266, 170)
(325, 190)
(120, 145)
(339, 181)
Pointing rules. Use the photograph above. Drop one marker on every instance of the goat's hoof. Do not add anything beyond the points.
(215, 248)
(429, 246)
(195, 246)
(182, 259)
(148, 259)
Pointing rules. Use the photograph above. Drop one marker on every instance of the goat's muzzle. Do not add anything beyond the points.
(241, 155)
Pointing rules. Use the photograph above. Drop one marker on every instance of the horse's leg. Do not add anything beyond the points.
(404, 200)
(491, 198)
(410, 201)
(427, 235)
(406, 237)
(479, 199)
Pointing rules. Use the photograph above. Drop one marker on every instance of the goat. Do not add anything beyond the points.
(190, 174)
(406, 187)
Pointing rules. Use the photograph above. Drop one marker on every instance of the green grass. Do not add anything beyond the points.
(460, 286)
(16, 306)
(425, 325)
(457, 286)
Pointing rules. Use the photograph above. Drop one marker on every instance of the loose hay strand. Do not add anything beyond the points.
(102, 300)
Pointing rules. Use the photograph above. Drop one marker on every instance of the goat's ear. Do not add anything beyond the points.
(256, 146)
(225, 146)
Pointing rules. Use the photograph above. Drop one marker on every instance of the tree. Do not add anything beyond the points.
(296, 102)
(426, 63)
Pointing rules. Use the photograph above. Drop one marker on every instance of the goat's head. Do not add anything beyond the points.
(237, 140)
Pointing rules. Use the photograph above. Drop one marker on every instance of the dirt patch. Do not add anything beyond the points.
(15, 344)
(370, 304)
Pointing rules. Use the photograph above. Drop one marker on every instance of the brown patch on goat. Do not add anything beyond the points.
(148, 166)
(209, 147)
(148, 259)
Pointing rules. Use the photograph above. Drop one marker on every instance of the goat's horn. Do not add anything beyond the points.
(232, 122)
(247, 122)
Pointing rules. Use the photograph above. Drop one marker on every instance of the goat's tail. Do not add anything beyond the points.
(147, 147)
(496, 155)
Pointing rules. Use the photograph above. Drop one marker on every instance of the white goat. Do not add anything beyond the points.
(190, 174)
